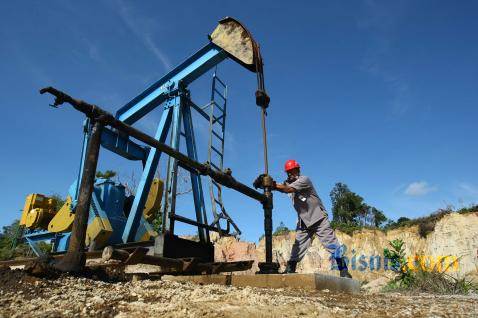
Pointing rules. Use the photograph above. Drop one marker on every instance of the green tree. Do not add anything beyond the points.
(157, 222)
(281, 229)
(402, 220)
(347, 206)
(11, 244)
(379, 217)
(59, 201)
(108, 174)
(350, 209)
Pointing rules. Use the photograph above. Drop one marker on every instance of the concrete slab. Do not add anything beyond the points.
(293, 281)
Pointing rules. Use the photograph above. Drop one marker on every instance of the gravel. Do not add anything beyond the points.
(26, 296)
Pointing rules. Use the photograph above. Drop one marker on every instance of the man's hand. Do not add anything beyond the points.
(259, 182)
(281, 187)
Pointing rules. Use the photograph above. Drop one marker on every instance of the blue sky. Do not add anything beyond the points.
(381, 95)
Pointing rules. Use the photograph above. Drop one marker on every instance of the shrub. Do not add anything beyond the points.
(425, 224)
(438, 282)
(399, 263)
(471, 208)
(281, 229)
(423, 278)
(346, 227)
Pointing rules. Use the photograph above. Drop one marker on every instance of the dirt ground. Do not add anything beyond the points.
(22, 295)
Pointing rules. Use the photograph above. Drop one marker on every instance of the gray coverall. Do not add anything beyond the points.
(312, 219)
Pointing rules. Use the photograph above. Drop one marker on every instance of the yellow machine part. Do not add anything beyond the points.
(38, 218)
(150, 233)
(98, 232)
(63, 220)
(38, 211)
(153, 201)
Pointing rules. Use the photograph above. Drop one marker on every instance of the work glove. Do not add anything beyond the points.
(259, 182)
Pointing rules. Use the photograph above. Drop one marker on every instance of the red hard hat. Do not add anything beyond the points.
(291, 164)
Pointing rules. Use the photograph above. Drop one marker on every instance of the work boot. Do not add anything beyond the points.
(291, 266)
(344, 272)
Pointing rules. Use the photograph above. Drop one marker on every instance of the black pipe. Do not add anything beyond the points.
(106, 118)
(186, 220)
(100, 115)
(75, 259)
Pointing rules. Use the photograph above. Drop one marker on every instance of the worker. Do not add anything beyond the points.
(312, 219)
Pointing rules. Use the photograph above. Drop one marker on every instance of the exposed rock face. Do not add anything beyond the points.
(455, 236)
(229, 249)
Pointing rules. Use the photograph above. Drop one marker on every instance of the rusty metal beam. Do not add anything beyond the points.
(24, 261)
(172, 265)
(139, 256)
(98, 114)
(74, 259)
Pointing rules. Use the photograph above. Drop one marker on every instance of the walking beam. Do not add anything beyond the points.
(98, 114)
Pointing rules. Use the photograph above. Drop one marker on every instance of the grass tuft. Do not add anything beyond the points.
(423, 277)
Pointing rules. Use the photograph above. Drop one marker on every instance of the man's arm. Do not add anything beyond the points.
(302, 183)
(284, 188)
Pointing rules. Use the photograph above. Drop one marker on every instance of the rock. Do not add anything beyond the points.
(229, 249)
(454, 235)
(376, 285)
(97, 300)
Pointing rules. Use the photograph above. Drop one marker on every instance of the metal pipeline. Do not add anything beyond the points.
(75, 259)
(100, 115)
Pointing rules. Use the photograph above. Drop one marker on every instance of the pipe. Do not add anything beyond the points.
(75, 259)
(106, 118)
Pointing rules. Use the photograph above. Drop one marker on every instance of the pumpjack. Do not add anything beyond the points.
(98, 215)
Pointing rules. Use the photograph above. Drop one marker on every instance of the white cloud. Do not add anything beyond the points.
(143, 35)
(468, 188)
(419, 188)
(380, 20)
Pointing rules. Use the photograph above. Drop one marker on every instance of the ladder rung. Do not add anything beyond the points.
(208, 105)
(221, 108)
(217, 120)
(217, 135)
(200, 110)
(219, 93)
(217, 151)
(220, 81)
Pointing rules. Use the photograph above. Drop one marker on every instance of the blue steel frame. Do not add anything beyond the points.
(60, 240)
(176, 114)
(196, 182)
(195, 66)
(171, 90)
